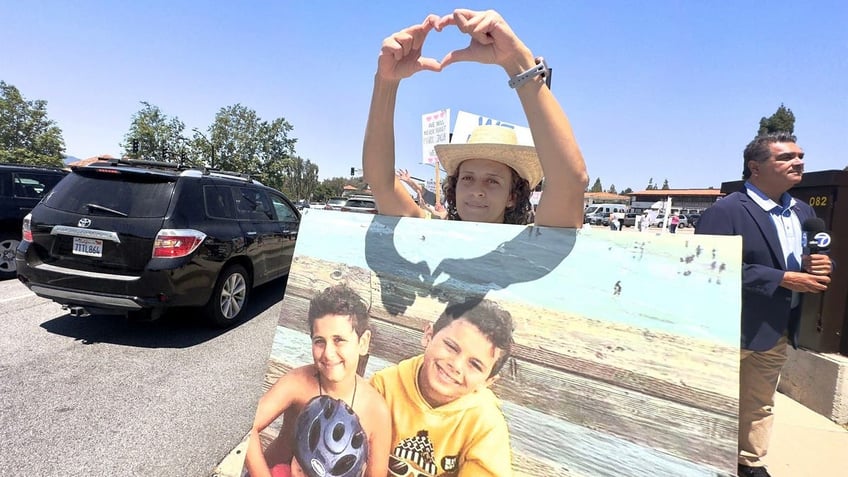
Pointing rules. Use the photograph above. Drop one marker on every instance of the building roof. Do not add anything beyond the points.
(605, 196)
(678, 192)
(90, 160)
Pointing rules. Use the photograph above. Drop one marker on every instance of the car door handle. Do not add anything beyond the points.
(251, 233)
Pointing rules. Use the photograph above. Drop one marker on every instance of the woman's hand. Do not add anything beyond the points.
(492, 41)
(400, 56)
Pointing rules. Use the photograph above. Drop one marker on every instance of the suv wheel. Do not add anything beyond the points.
(229, 297)
(8, 244)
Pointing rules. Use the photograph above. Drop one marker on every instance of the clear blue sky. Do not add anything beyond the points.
(657, 89)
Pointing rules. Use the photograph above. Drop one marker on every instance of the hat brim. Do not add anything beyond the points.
(522, 159)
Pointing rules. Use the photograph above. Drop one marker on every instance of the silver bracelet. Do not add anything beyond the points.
(541, 68)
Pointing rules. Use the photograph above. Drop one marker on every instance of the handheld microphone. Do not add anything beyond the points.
(814, 238)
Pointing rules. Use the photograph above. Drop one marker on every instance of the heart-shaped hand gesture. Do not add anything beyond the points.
(492, 42)
(400, 56)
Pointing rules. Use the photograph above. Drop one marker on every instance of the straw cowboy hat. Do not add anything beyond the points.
(496, 143)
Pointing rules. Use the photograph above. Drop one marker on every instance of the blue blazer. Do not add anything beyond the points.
(766, 306)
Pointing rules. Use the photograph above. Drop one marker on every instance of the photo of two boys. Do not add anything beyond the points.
(461, 371)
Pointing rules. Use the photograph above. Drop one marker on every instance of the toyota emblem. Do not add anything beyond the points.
(84, 222)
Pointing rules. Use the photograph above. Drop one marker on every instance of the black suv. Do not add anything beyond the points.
(21, 187)
(136, 237)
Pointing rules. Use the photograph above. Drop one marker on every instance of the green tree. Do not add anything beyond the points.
(650, 184)
(332, 187)
(627, 191)
(159, 136)
(299, 178)
(665, 185)
(240, 141)
(781, 120)
(597, 187)
(611, 189)
(27, 136)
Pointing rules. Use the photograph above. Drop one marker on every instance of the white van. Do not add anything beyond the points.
(598, 214)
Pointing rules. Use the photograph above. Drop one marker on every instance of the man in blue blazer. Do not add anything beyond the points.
(775, 274)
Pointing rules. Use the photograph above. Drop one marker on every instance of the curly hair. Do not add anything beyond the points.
(489, 318)
(518, 214)
(339, 300)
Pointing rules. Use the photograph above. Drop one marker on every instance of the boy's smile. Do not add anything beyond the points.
(457, 361)
(335, 347)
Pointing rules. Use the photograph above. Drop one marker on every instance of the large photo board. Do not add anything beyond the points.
(626, 344)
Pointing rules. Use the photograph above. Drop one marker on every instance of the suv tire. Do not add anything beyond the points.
(8, 245)
(229, 298)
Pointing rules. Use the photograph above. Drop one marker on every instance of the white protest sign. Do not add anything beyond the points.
(435, 128)
(466, 122)
(535, 196)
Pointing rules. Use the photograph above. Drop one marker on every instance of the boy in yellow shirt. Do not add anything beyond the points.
(445, 420)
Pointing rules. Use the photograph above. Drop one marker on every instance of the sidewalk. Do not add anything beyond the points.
(805, 443)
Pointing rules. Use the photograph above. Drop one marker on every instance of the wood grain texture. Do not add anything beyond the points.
(583, 394)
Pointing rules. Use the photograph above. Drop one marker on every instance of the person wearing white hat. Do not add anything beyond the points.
(490, 177)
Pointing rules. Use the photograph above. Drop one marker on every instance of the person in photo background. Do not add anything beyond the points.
(490, 178)
(435, 211)
(674, 221)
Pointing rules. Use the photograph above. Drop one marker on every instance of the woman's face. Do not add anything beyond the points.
(483, 190)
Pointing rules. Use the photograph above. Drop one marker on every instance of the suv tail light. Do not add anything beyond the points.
(26, 229)
(174, 243)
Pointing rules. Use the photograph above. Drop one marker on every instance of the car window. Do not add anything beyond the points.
(284, 212)
(126, 195)
(33, 185)
(359, 203)
(219, 202)
(252, 204)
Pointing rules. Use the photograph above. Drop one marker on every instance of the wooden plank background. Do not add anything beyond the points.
(608, 395)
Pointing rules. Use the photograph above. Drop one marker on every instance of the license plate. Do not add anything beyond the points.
(89, 247)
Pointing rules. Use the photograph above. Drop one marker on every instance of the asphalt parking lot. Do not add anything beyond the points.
(101, 396)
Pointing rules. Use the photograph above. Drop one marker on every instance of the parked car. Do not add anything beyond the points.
(692, 219)
(630, 219)
(137, 237)
(599, 214)
(21, 187)
(658, 222)
(335, 203)
(363, 204)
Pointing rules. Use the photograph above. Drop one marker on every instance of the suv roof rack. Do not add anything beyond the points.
(141, 162)
(180, 167)
(239, 175)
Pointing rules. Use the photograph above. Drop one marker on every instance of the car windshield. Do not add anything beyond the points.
(121, 195)
(359, 203)
(336, 201)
